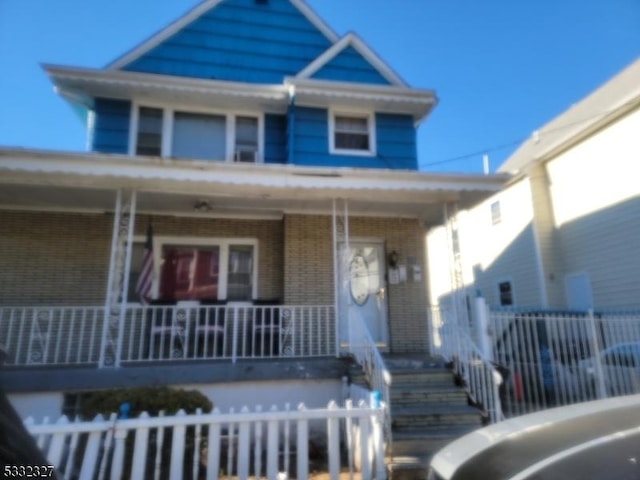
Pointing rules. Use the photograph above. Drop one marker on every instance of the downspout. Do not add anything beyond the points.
(291, 123)
(336, 303)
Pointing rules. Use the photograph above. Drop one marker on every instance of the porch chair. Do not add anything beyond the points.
(166, 333)
(266, 328)
(210, 331)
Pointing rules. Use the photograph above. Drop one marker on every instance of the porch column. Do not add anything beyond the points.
(340, 268)
(118, 279)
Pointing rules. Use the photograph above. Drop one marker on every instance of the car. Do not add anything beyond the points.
(585, 441)
(541, 357)
(620, 369)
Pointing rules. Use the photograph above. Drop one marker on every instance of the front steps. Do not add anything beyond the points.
(427, 412)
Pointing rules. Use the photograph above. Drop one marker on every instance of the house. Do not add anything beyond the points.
(563, 232)
(276, 164)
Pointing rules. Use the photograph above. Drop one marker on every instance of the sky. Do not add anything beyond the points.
(500, 68)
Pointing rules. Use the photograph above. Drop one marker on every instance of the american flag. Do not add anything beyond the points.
(145, 280)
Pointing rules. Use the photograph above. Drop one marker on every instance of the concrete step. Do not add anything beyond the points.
(427, 394)
(427, 418)
(421, 377)
(428, 411)
(408, 468)
(421, 443)
(416, 362)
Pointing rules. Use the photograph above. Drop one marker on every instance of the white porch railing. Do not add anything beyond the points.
(365, 352)
(272, 444)
(454, 343)
(36, 336)
(558, 358)
(51, 335)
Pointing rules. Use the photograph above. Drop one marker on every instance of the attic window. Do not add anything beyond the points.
(351, 134)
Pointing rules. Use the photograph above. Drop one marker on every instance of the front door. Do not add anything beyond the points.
(364, 290)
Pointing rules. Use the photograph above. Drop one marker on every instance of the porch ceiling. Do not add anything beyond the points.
(88, 182)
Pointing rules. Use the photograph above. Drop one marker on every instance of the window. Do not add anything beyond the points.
(189, 273)
(199, 136)
(351, 134)
(496, 214)
(506, 293)
(239, 279)
(149, 139)
(196, 135)
(199, 269)
(246, 139)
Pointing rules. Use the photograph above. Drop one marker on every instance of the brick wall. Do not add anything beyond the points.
(308, 270)
(53, 258)
(62, 258)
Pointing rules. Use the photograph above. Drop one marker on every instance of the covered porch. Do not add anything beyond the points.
(249, 261)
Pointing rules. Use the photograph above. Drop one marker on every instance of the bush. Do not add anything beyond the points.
(144, 399)
(151, 400)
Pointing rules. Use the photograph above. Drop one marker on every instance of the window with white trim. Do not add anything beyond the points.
(218, 270)
(168, 132)
(351, 133)
(246, 134)
(149, 133)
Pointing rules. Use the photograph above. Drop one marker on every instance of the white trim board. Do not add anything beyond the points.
(352, 40)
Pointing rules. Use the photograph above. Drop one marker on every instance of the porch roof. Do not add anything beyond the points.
(40, 180)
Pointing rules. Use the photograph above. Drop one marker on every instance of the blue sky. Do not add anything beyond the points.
(501, 68)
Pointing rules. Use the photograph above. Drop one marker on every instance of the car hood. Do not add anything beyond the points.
(451, 458)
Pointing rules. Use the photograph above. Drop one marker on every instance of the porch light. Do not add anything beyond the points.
(393, 259)
(202, 206)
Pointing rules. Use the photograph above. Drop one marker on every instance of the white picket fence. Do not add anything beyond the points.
(274, 444)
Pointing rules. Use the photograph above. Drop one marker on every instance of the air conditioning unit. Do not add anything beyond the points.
(246, 155)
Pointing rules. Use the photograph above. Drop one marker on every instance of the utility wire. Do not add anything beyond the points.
(523, 139)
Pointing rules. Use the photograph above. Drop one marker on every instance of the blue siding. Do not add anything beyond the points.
(111, 128)
(239, 40)
(350, 66)
(275, 138)
(395, 135)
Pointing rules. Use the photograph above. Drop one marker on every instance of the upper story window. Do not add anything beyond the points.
(352, 134)
(173, 133)
(246, 146)
(496, 213)
(200, 136)
(149, 140)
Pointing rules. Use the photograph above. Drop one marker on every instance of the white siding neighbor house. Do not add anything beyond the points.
(565, 231)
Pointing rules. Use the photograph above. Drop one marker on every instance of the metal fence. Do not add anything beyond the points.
(37, 336)
(273, 444)
(453, 340)
(558, 358)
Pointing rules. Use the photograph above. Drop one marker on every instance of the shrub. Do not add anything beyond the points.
(151, 400)
(144, 399)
